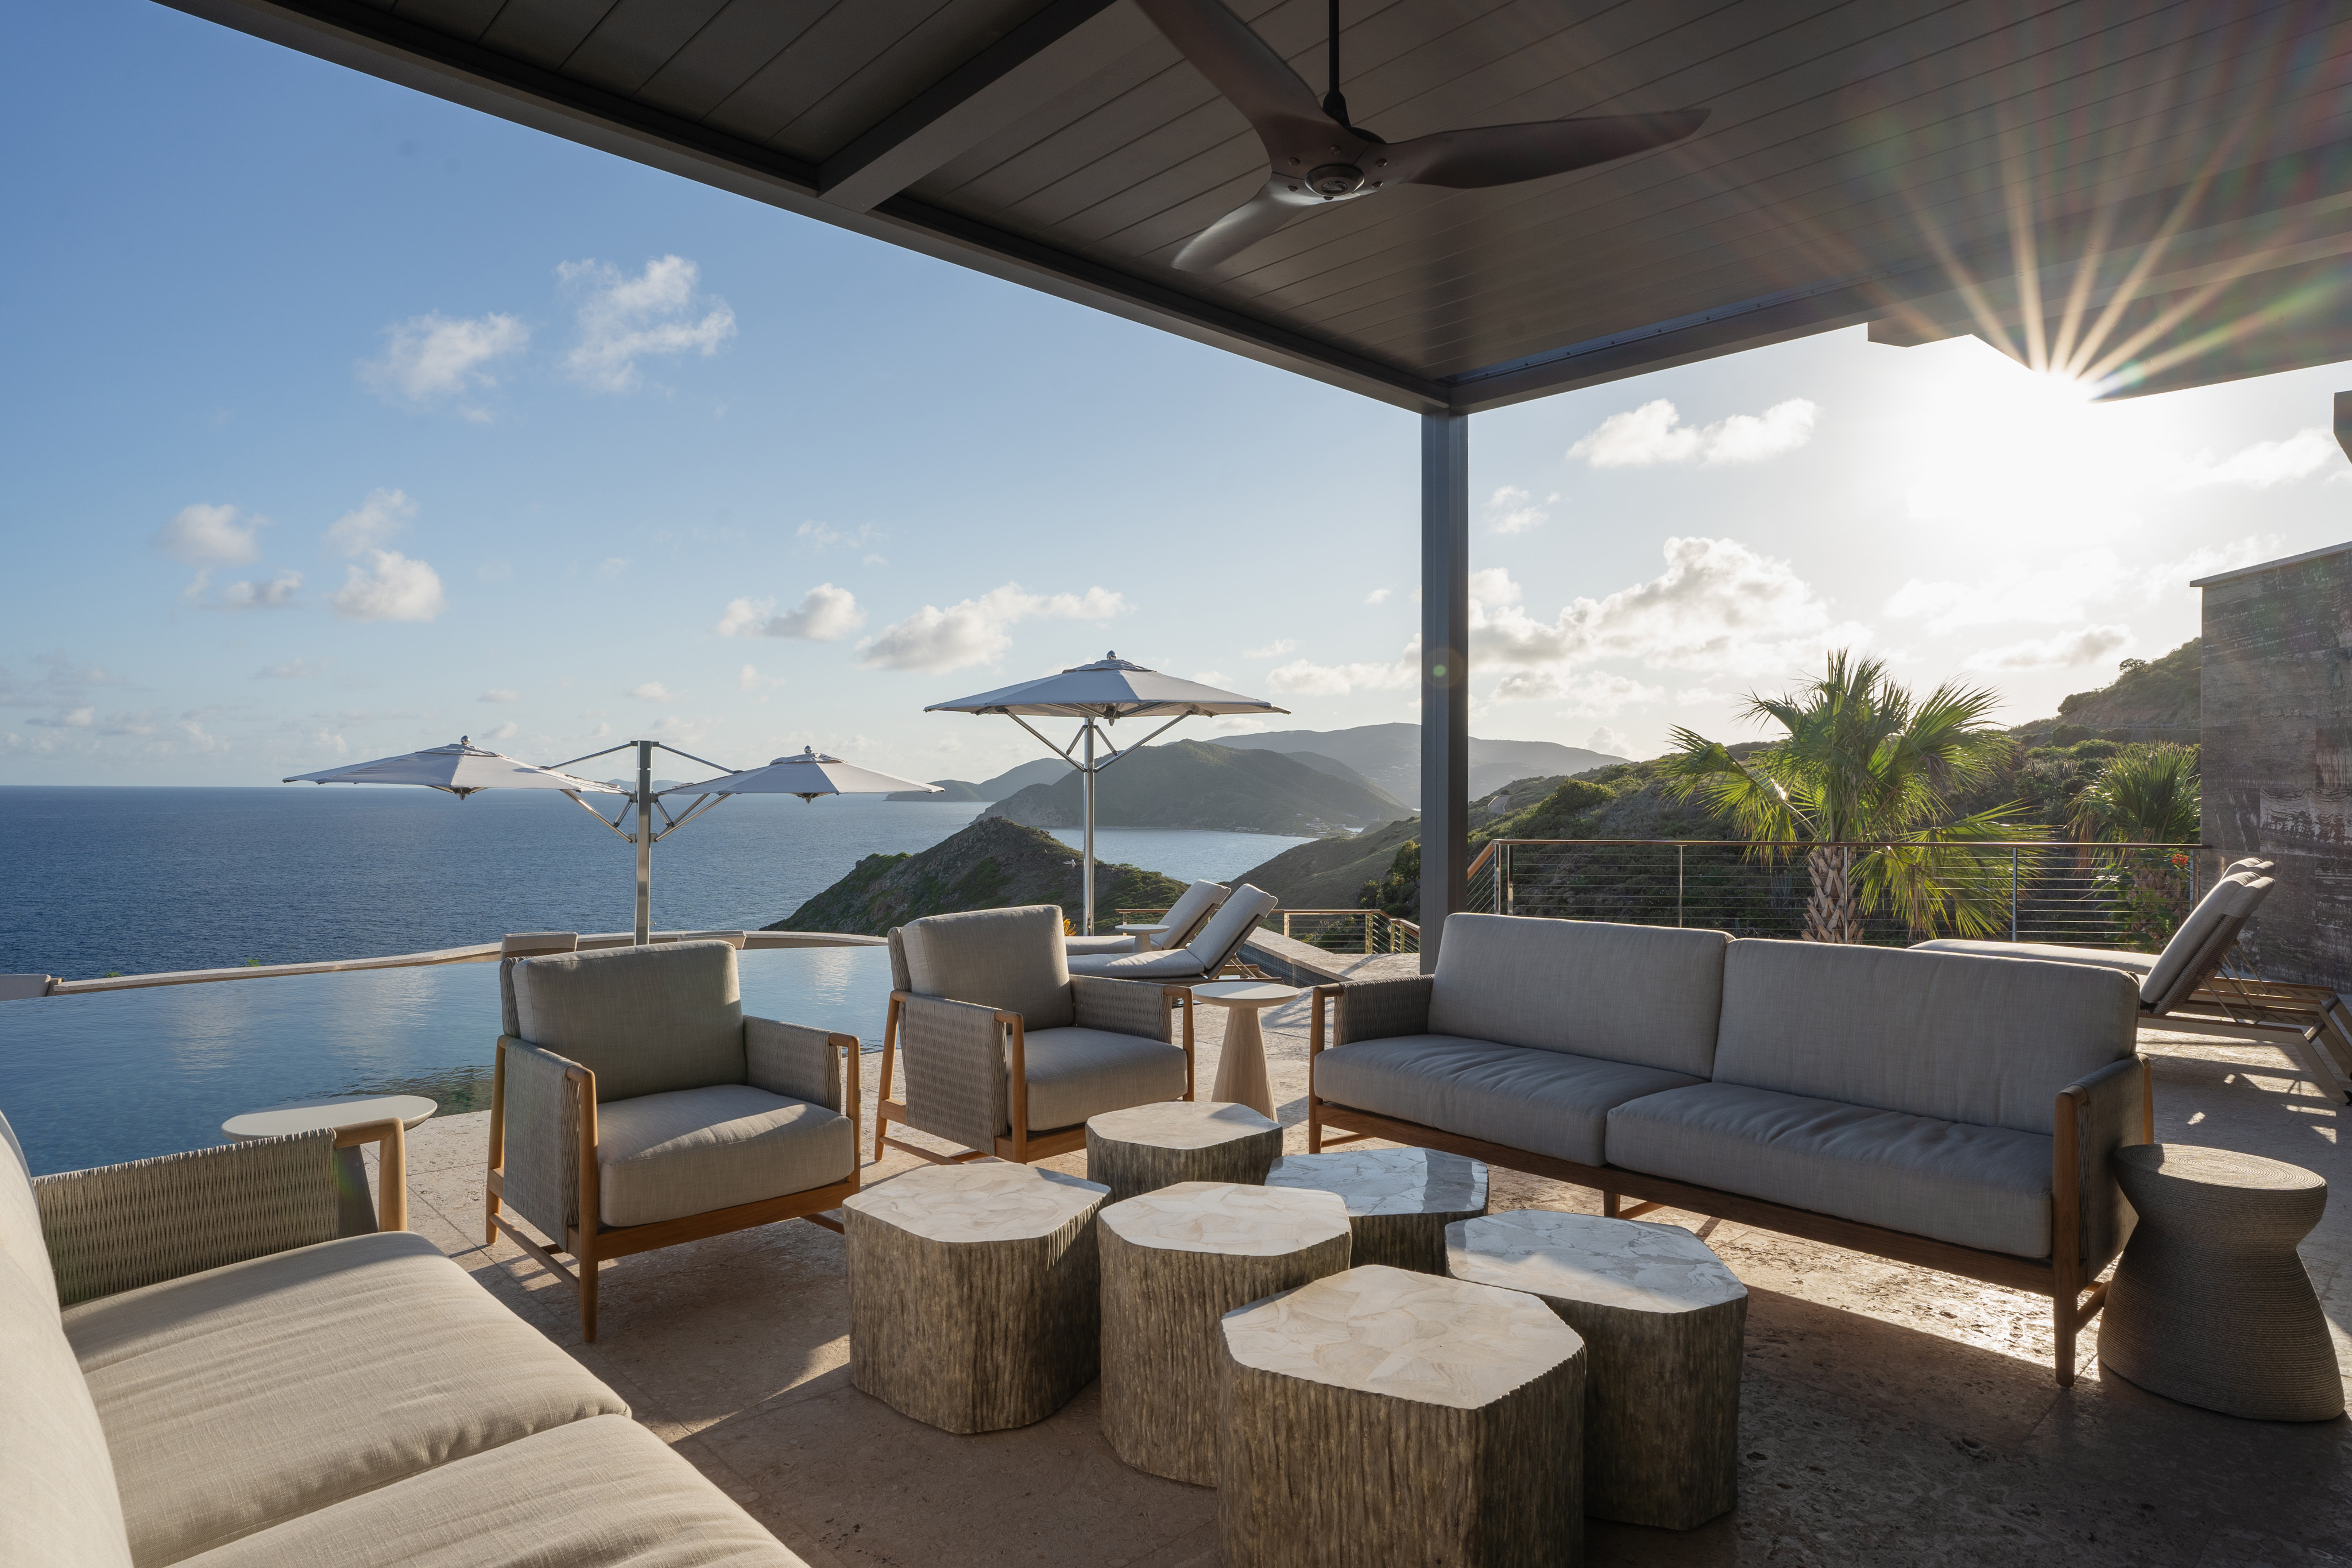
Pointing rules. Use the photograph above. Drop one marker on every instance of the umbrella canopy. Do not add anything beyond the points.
(1110, 688)
(458, 770)
(808, 776)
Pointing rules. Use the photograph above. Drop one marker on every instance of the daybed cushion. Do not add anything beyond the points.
(1008, 958)
(1074, 1073)
(243, 1396)
(593, 1494)
(660, 1156)
(1649, 995)
(1987, 1188)
(1545, 1101)
(645, 1021)
(1985, 1041)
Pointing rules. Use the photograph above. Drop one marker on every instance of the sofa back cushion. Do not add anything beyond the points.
(1650, 995)
(1008, 958)
(1984, 1040)
(645, 1021)
(58, 1505)
(20, 1217)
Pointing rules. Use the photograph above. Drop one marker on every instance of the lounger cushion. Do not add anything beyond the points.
(1649, 995)
(2136, 965)
(59, 1505)
(1097, 946)
(661, 1156)
(1074, 1073)
(1191, 911)
(1546, 1101)
(1177, 963)
(1986, 1040)
(2195, 932)
(594, 1494)
(1229, 927)
(244, 1397)
(643, 1020)
(1987, 1188)
(1008, 958)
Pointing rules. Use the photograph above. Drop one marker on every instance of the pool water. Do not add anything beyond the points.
(105, 1076)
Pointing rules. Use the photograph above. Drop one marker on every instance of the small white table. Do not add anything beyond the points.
(1240, 1067)
(1147, 937)
(358, 1217)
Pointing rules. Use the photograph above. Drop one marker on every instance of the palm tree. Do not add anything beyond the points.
(1864, 761)
(2147, 794)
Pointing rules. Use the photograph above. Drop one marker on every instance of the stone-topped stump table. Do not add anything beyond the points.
(1399, 1201)
(1174, 1263)
(1662, 1321)
(974, 1294)
(2210, 1303)
(1382, 1416)
(1146, 1147)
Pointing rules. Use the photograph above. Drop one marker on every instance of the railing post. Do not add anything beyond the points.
(1507, 896)
(2012, 893)
(1678, 884)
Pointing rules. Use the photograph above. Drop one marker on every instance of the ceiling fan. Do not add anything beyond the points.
(1318, 156)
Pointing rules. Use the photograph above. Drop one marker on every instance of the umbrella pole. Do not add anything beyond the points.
(1087, 872)
(645, 841)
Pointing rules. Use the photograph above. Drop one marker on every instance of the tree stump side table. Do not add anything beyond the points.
(1385, 1416)
(1146, 1147)
(1174, 1263)
(1399, 1201)
(1662, 1321)
(2209, 1304)
(974, 1300)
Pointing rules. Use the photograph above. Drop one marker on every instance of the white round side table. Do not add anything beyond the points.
(359, 1217)
(1241, 1066)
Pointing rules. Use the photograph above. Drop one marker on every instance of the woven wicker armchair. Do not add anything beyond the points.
(635, 1106)
(1006, 1052)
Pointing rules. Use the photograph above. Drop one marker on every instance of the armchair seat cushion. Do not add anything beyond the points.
(1973, 1186)
(664, 1156)
(1546, 1101)
(1074, 1073)
(238, 1399)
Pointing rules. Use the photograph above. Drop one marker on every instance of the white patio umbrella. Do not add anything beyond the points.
(808, 776)
(459, 769)
(1102, 693)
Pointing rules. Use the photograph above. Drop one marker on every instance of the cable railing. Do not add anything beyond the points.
(1333, 930)
(2124, 895)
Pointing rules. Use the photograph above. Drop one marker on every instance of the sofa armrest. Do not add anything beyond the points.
(1139, 1007)
(2110, 1109)
(953, 1057)
(539, 1145)
(116, 1227)
(1380, 1009)
(793, 1060)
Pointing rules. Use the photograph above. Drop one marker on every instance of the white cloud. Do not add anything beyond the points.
(1590, 693)
(429, 357)
(275, 594)
(622, 320)
(197, 740)
(1211, 677)
(822, 536)
(506, 731)
(292, 670)
(1273, 650)
(371, 524)
(208, 536)
(976, 631)
(612, 566)
(390, 586)
(1609, 740)
(1653, 434)
(1379, 596)
(1301, 678)
(653, 692)
(752, 680)
(824, 614)
(2090, 645)
(2262, 464)
(500, 695)
(1511, 510)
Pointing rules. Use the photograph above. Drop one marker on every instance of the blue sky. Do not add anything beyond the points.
(342, 420)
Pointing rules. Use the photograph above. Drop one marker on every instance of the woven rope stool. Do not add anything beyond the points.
(2211, 1304)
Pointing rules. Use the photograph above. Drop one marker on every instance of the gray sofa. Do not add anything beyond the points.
(1946, 1110)
(192, 1371)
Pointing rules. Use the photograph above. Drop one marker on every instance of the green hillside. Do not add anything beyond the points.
(1196, 784)
(992, 864)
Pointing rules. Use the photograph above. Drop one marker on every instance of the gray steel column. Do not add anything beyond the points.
(1087, 875)
(1445, 686)
(645, 841)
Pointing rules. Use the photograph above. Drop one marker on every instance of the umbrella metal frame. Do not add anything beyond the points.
(1087, 770)
(647, 801)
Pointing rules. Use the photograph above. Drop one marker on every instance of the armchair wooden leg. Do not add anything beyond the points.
(498, 1143)
(889, 1060)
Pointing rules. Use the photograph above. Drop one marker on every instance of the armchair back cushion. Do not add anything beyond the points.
(1007, 958)
(645, 1021)
(1234, 920)
(1989, 1041)
(1648, 994)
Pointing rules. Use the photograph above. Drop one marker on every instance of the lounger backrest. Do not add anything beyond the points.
(645, 1021)
(1190, 913)
(1650, 995)
(2241, 896)
(1963, 1038)
(1227, 929)
(2193, 936)
(1008, 958)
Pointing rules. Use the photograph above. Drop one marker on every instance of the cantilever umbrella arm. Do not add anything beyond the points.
(647, 803)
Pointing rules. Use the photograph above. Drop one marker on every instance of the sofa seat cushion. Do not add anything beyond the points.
(1545, 1101)
(1074, 1073)
(243, 1396)
(592, 1494)
(662, 1156)
(1987, 1188)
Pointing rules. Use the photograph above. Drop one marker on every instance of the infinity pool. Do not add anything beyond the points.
(120, 1075)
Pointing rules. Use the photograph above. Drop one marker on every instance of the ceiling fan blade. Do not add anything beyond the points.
(1506, 154)
(1239, 64)
(1272, 208)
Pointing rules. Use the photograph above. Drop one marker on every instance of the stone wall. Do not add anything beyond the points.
(2277, 763)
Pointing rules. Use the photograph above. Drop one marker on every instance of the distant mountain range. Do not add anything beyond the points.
(1389, 755)
(992, 864)
(1197, 784)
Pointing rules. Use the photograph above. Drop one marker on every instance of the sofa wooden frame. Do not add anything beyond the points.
(1020, 1145)
(2074, 1299)
(591, 1241)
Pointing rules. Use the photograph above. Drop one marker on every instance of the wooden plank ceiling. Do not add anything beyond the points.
(2156, 194)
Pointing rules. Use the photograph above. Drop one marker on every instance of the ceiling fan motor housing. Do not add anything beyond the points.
(1331, 180)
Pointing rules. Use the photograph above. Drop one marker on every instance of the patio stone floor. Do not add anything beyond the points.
(1889, 1414)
